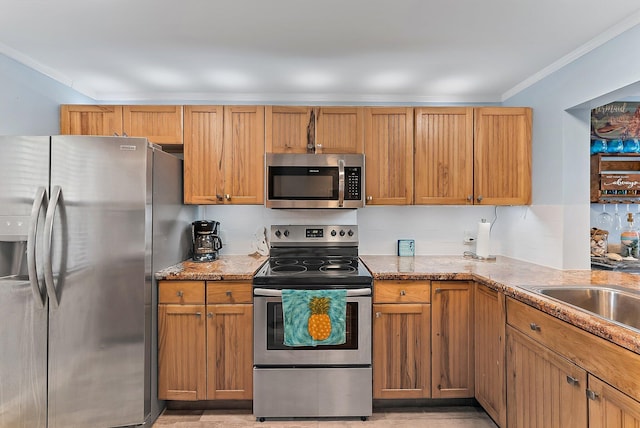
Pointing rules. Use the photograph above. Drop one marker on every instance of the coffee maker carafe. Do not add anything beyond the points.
(206, 241)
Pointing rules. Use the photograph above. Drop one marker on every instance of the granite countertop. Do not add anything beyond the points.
(514, 278)
(518, 280)
(229, 268)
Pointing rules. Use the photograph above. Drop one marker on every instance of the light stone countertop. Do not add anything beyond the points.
(514, 278)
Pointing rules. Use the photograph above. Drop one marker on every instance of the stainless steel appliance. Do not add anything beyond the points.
(206, 242)
(312, 381)
(84, 222)
(314, 180)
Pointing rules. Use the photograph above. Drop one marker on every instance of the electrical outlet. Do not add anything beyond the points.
(468, 239)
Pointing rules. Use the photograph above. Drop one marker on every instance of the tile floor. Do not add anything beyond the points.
(428, 417)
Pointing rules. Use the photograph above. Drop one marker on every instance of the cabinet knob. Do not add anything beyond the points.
(403, 293)
(438, 290)
(180, 293)
(534, 326)
(218, 197)
(479, 198)
(470, 198)
(227, 197)
(198, 314)
(209, 315)
(229, 293)
(592, 395)
(572, 380)
(369, 198)
(378, 314)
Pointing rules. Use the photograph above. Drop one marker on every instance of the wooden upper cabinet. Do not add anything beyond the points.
(444, 155)
(203, 155)
(90, 120)
(160, 124)
(244, 154)
(224, 155)
(388, 152)
(502, 155)
(295, 129)
(287, 128)
(339, 130)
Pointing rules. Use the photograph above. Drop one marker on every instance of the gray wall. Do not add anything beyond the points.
(30, 101)
(555, 229)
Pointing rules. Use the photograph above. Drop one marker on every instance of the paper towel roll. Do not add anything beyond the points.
(484, 240)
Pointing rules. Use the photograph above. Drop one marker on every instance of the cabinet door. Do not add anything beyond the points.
(244, 155)
(340, 130)
(452, 339)
(543, 389)
(90, 120)
(289, 129)
(229, 352)
(203, 155)
(489, 344)
(181, 352)
(401, 349)
(502, 155)
(389, 156)
(610, 408)
(159, 124)
(444, 155)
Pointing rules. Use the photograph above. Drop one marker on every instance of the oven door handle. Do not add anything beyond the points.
(278, 293)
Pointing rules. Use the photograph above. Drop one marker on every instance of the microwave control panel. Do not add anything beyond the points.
(353, 185)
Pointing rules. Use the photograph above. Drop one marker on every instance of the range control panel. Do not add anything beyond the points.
(304, 235)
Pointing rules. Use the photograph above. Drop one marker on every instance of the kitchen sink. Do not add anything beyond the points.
(612, 303)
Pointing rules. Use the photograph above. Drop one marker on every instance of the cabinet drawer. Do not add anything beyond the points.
(401, 292)
(181, 292)
(229, 292)
(596, 355)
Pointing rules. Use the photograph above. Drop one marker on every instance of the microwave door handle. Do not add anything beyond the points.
(341, 183)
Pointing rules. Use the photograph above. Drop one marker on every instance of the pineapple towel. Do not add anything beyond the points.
(314, 317)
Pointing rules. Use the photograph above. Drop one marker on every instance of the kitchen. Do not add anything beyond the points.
(550, 232)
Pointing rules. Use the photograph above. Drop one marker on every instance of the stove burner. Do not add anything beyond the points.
(285, 262)
(290, 268)
(313, 262)
(340, 261)
(335, 267)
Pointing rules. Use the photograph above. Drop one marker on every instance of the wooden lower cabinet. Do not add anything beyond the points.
(229, 352)
(452, 361)
(489, 344)
(401, 340)
(610, 408)
(181, 352)
(544, 389)
(205, 350)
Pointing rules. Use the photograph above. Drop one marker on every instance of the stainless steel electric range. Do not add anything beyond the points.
(319, 380)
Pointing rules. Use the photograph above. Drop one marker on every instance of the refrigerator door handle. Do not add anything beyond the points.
(48, 235)
(39, 201)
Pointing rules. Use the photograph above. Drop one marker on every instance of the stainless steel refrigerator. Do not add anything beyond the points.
(84, 223)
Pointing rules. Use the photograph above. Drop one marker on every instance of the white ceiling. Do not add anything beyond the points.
(362, 51)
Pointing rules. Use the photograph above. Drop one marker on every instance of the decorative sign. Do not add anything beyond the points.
(620, 182)
(616, 121)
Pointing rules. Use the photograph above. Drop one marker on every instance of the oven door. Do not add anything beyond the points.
(268, 331)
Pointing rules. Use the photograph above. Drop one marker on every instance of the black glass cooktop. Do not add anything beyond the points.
(306, 271)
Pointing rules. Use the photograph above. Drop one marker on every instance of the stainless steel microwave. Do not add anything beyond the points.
(314, 180)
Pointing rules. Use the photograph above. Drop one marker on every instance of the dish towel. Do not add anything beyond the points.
(314, 317)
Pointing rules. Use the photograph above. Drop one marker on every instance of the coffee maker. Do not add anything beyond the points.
(206, 242)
